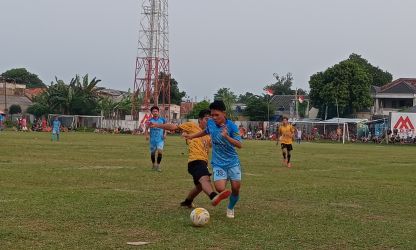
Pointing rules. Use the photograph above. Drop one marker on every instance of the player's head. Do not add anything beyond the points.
(55, 117)
(285, 120)
(155, 111)
(218, 111)
(203, 117)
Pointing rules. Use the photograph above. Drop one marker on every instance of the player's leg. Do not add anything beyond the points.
(289, 155)
(153, 150)
(215, 197)
(188, 202)
(199, 171)
(159, 155)
(235, 176)
(220, 179)
(284, 153)
(57, 136)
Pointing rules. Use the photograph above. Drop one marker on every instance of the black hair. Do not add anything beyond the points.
(204, 113)
(285, 118)
(217, 105)
(154, 107)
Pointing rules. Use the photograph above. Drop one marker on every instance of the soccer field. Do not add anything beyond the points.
(96, 191)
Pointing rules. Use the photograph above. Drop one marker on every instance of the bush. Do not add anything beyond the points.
(15, 109)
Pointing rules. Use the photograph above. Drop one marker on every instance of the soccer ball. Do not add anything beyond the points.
(199, 217)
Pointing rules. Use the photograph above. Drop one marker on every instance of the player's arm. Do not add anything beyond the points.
(196, 135)
(165, 126)
(236, 143)
(165, 131)
(146, 132)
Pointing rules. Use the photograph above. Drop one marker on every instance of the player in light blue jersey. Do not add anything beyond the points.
(56, 129)
(157, 138)
(225, 162)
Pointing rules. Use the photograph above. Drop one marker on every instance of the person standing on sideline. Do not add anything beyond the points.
(157, 138)
(298, 135)
(56, 129)
(285, 135)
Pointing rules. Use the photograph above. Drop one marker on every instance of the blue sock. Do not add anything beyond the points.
(233, 201)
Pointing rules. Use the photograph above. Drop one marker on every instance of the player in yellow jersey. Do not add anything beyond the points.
(285, 136)
(197, 159)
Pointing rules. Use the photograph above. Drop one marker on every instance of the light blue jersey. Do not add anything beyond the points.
(224, 154)
(157, 134)
(56, 126)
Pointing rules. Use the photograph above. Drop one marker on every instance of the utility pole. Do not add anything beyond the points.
(152, 74)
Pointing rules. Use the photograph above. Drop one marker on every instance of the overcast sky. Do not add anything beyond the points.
(213, 43)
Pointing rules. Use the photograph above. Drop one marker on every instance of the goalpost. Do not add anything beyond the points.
(67, 121)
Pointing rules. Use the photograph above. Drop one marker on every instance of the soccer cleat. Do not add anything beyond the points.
(158, 169)
(230, 213)
(221, 196)
(154, 167)
(188, 205)
(289, 165)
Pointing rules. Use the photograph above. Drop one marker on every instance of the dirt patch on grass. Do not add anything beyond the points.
(346, 205)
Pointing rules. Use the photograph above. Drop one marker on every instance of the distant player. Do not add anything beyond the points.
(197, 159)
(225, 161)
(157, 138)
(298, 135)
(285, 136)
(56, 129)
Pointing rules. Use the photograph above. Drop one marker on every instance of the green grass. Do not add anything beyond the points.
(94, 191)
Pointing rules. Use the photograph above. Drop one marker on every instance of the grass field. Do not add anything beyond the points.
(94, 191)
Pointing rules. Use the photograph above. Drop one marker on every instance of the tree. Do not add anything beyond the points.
(283, 85)
(22, 76)
(379, 77)
(15, 109)
(38, 110)
(229, 98)
(245, 98)
(197, 108)
(79, 97)
(346, 85)
(175, 95)
(256, 108)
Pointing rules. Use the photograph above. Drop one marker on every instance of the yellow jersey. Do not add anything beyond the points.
(286, 134)
(199, 147)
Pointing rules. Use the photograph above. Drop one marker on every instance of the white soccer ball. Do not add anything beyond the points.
(199, 217)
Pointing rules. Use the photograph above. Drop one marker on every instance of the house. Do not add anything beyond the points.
(395, 96)
(115, 95)
(34, 92)
(186, 108)
(13, 94)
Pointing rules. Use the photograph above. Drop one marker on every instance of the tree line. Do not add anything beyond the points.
(342, 89)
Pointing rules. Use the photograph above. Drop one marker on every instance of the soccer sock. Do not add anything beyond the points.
(284, 155)
(188, 201)
(212, 195)
(159, 158)
(288, 157)
(233, 201)
(152, 156)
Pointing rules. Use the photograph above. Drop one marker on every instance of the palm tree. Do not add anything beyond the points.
(229, 99)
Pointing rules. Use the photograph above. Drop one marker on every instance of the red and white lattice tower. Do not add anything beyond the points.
(152, 75)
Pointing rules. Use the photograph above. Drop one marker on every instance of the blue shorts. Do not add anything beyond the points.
(55, 131)
(156, 146)
(233, 174)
